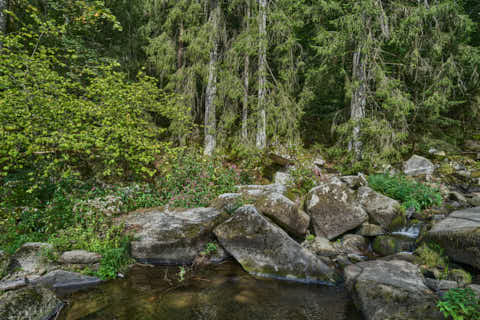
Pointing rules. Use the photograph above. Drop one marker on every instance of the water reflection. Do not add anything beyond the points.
(221, 292)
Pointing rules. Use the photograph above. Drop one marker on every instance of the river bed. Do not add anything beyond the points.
(222, 291)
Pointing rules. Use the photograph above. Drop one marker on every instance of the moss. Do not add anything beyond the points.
(461, 276)
(398, 222)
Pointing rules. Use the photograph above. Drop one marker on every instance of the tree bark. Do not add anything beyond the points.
(262, 70)
(211, 91)
(245, 84)
(359, 100)
(383, 20)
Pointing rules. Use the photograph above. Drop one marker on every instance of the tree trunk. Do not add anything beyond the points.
(383, 20)
(3, 19)
(245, 84)
(359, 99)
(262, 70)
(211, 92)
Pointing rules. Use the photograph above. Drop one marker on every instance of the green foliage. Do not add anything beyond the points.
(181, 273)
(210, 248)
(460, 304)
(310, 237)
(432, 255)
(410, 193)
(189, 180)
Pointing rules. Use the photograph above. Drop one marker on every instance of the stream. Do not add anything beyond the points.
(221, 291)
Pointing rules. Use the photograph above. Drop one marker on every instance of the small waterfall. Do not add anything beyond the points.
(411, 231)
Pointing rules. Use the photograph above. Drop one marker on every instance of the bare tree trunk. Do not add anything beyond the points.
(3, 19)
(262, 70)
(245, 84)
(359, 99)
(383, 20)
(211, 91)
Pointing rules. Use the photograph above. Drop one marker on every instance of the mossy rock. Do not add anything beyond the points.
(29, 303)
(388, 244)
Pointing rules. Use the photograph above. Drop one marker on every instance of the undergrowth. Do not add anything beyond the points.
(72, 213)
(410, 193)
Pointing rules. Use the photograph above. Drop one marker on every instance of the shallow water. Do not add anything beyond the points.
(223, 291)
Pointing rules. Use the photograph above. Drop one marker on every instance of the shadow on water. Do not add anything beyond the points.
(223, 291)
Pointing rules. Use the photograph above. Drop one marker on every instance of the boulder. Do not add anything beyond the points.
(264, 249)
(228, 202)
(4, 263)
(355, 182)
(370, 230)
(281, 159)
(459, 235)
(390, 244)
(79, 257)
(284, 213)
(476, 289)
(321, 247)
(416, 166)
(381, 209)
(403, 256)
(13, 284)
(391, 290)
(29, 303)
(474, 200)
(353, 244)
(333, 209)
(171, 236)
(30, 258)
(260, 190)
(472, 145)
(282, 178)
(65, 281)
(440, 286)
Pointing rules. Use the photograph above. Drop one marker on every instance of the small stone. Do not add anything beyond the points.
(79, 257)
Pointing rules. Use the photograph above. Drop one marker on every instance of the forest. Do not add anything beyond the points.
(109, 106)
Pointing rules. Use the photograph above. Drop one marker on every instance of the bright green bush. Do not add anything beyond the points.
(460, 304)
(410, 193)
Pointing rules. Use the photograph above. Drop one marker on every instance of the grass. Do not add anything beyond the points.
(410, 193)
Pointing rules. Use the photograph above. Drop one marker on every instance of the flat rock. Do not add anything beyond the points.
(284, 213)
(66, 281)
(172, 236)
(228, 202)
(459, 235)
(333, 209)
(416, 166)
(393, 290)
(264, 249)
(79, 257)
(381, 209)
(29, 303)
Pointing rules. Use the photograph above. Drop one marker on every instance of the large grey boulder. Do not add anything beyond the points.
(459, 235)
(264, 249)
(284, 212)
(29, 304)
(391, 290)
(333, 209)
(381, 209)
(63, 281)
(370, 230)
(416, 166)
(164, 236)
(79, 257)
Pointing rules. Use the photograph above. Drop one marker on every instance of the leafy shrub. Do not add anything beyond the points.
(460, 304)
(410, 193)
